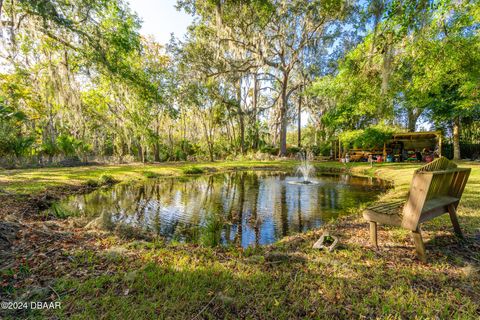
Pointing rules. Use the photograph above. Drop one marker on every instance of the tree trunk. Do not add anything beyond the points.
(208, 136)
(241, 121)
(255, 115)
(456, 138)
(299, 128)
(156, 151)
(210, 151)
(156, 145)
(387, 64)
(242, 132)
(283, 117)
(140, 152)
(412, 120)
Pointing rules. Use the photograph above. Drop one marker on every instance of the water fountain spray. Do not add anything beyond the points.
(305, 169)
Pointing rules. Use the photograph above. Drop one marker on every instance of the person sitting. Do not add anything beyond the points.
(418, 155)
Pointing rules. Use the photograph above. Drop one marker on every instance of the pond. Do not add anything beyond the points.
(241, 208)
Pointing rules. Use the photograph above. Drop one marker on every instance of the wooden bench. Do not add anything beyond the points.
(436, 189)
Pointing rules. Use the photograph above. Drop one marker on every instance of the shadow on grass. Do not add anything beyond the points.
(285, 281)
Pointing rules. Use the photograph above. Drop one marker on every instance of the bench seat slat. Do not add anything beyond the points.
(438, 202)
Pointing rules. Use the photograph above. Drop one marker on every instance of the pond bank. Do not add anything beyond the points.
(97, 273)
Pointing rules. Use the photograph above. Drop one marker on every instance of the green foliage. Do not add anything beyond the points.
(92, 183)
(150, 174)
(374, 136)
(69, 145)
(84, 83)
(12, 139)
(19, 146)
(49, 148)
(420, 60)
(193, 170)
(59, 211)
(323, 149)
(272, 150)
(292, 150)
(106, 179)
(184, 149)
(212, 231)
(351, 137)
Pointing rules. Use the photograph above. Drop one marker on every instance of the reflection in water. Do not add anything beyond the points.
(240, 208)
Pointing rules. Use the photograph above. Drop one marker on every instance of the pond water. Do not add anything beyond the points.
(241, 208)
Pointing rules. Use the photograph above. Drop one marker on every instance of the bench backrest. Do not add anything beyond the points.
(434, 186)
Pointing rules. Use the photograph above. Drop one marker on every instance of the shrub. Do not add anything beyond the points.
(180, 155)
(67, 144)
(212, 231)
(270, 150)
(291, 151)
(106, 179)
(184, 149)
(150, 175)
(59, 211)
(92, 183)
(49, 149)
(374, 136)
(322, 149)
(193, 170)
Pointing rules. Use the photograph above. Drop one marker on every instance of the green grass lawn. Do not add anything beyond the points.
(113, 278)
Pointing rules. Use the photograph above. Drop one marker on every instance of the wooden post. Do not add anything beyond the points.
(419, 245)
(373, 234)
(453, 217)
(384, 151)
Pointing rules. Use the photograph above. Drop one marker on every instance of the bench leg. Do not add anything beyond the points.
(419, 245)
(453, 217)
(373, 234)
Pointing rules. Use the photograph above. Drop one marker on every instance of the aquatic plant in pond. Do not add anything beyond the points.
(238, 208)
(212, 231)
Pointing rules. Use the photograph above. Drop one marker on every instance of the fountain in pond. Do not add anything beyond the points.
(305, 170)
(244, 208)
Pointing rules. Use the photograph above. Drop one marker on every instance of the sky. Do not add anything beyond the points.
(160, 18)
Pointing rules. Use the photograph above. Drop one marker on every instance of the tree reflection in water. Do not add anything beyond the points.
(241, 208)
